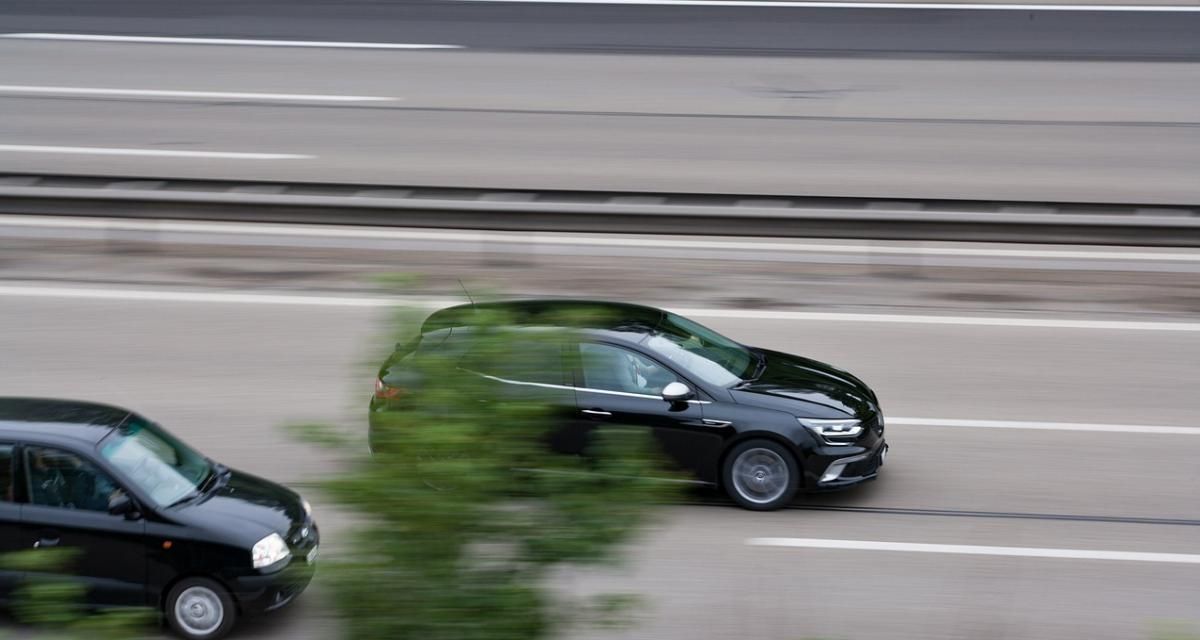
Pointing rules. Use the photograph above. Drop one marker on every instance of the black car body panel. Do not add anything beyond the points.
(133, 560)
(802, 386)
(777, 390)
(244, 506)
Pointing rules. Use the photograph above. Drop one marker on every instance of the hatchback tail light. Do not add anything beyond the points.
(384, 391)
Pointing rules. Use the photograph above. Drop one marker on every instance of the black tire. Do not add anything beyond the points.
(200, 597)
(761, 475)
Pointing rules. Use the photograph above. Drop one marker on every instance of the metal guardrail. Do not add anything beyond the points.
(606, 212)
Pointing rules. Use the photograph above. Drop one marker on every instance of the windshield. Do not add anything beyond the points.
(702, 352)
(161, 466)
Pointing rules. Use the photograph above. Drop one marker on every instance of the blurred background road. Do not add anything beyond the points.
(618, 26)
(1113, 119)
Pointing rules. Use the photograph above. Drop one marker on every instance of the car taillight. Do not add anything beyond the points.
(383, 391)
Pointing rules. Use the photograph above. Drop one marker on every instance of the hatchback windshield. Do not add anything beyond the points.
(161, 466)
(702, 352)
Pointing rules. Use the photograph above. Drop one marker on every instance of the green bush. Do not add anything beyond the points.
(1174, 630)
(54, 603)
(468, 514)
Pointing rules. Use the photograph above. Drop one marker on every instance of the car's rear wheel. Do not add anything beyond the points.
(761, 475)
(200, 609)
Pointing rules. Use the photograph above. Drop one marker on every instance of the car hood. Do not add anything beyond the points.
(806, 388)
(246, 504)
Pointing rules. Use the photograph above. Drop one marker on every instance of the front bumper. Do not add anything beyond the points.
(849, 471)
(265, 592)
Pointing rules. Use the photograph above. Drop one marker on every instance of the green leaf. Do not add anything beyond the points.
(467, 514)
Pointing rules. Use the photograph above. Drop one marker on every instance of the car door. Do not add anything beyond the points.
(10, 519)
(617, 385)
(531, 370)
(67, 499)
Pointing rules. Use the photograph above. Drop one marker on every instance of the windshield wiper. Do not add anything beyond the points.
(758, 370)
(187, 497)
(216, 471)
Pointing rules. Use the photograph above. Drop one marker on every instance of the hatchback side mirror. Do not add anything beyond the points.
(677, 392)
(123, 505)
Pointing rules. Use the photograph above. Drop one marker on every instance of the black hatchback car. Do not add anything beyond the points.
(761, 424)
(153, 522)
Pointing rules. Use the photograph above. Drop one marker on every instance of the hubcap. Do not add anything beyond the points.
(760, 475)
(199, 610)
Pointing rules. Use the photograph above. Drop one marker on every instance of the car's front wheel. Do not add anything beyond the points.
(200, 609)
(761, 475)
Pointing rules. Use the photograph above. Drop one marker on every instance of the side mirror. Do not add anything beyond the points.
(122, 505)
(677, 392)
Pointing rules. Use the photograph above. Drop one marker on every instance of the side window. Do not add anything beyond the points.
(61, 479)
(7, 492)
(530, 360)
(611, 368)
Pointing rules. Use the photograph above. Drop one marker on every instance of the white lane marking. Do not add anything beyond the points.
(1047, 323)
(387, 233)
(348, 301)
(161, 153)
(977, 550)
(192, 296)
(1044, 426)
(85, 37)
(368, 301)
(871, 5)
(160, 93)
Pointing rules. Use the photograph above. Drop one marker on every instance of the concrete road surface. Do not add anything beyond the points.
(1072, 471)
(1097, 131)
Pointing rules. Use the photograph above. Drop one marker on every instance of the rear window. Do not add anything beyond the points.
(448, 343)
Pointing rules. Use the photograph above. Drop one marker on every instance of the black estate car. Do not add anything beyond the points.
(760, 424)
(155, 524)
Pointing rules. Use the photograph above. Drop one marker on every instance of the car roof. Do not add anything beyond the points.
(74, 419)
(613, 318)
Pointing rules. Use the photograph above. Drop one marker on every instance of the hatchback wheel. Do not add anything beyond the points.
(761, 475)
(200, 609)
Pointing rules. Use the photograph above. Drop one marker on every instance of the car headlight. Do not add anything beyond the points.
(834, 432)
(269, 550)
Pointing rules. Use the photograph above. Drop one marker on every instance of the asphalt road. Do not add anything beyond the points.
(956, 117)
(715, 30)
(225, 375)
(1044, 130)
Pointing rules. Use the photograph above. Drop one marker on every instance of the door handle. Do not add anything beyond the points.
(597, 412)
(46, 542)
